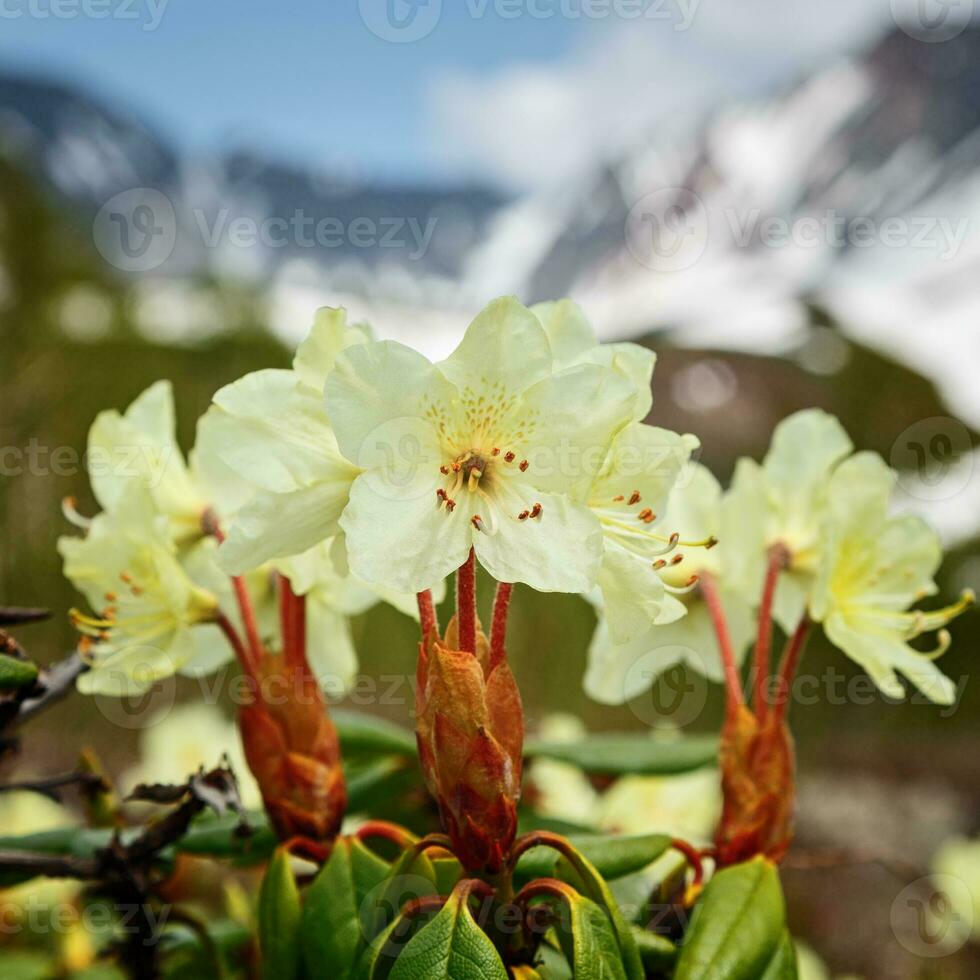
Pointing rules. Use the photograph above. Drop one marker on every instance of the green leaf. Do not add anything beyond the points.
(612, 857)
(783, 965)
(589, 943)
(331, 928)
(411, 876)
(368, 735)
(737, 927)
(451, 947)
(624, 754)
(212, 836)
(377, 960)
(657, 952)
(280, 916)
(15, 673)
(593, 886)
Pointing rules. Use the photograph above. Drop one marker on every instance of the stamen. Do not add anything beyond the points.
(69, 507)
(450, 505)
(619, 499)
(477, 522)
(441, 494)
(943, 641)
(646, 515)
(659, 563)
(634, 497)
(523, 515)
(444, 470)
(677, 559)
(524, 465)
(509, 457)
(536, 510)
(495, 451)
(692, 584)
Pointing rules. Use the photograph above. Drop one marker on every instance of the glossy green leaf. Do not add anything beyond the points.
(451, 947)
(783, 965)
(613, 857)
(411, 876)
(365, 734)
(15, 673)
(657, 952)
(589, 942)
(331, 928)
(624, 754)
(280, 915)
(381, 953)
(737, 926)
(593, 886)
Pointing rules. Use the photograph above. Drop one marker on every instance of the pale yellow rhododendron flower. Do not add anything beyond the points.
(696, 511)
(573, 341)
(629, 491)
(479, 451)
(147, 606)
(782, 502)
(274, 432)
(180, 740)
(873, 568)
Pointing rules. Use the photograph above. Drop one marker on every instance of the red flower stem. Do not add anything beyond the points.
(285, 612)
(297, 653)
(693, 856)
(733, 684)
(466, 603)
(791, 660)
(226, 626)
(385, 830)
(763, 643)
(210, 525)
(498, 625)
(427, 614)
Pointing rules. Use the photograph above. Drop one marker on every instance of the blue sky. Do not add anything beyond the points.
(513, 99)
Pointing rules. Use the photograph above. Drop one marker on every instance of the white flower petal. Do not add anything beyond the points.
(279, 525)
(580, 412)
(881, 654)
(559, 551)
(569, 332)
(377, 398)
(275, 431)
(505, 342)
(330, 647)
(404, 541)
(329, 335)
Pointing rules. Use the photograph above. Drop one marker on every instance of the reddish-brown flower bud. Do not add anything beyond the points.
(292, 749)
(758, 785)
(470, 730)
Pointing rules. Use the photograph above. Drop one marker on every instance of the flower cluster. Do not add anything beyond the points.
(368, 473)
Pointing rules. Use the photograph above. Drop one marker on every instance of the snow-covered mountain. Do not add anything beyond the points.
(855, 192)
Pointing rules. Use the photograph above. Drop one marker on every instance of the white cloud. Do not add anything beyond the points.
(535, 125)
